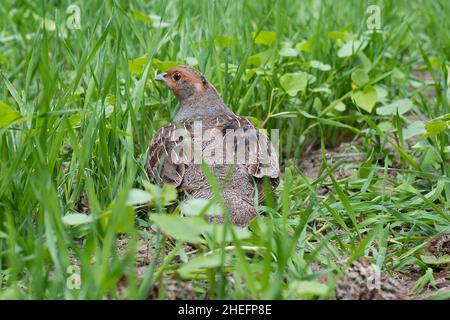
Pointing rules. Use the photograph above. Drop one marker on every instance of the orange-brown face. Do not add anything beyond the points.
(183, 81)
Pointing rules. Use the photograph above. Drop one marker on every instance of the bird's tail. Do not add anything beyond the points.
(241, 211)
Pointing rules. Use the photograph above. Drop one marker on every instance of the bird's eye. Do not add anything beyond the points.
(176, 76)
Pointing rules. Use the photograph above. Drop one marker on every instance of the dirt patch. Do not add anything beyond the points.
(311, 161)
(424, 82)
(167, 286)
(351, 156)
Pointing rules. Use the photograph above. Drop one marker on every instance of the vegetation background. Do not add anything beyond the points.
(364, 121)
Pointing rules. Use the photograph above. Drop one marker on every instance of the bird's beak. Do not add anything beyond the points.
(160, 77)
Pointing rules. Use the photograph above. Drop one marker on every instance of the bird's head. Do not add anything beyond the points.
(185, 82)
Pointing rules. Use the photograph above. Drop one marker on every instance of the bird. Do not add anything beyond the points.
(201, 108)
(363, 281)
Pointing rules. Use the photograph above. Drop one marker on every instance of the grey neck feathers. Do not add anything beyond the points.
(206, 104)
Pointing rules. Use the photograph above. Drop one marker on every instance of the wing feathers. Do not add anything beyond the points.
(162, 168)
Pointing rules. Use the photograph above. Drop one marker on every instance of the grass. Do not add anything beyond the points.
(79, 109)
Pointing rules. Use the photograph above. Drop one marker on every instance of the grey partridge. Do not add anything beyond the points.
(203, 114)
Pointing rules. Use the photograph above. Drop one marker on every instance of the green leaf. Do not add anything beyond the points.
(169, 194)
(434, 128)
(340, 35)
(292, 83)
(191, 61)
(216, 233)
(351, 47)
(306, 289)
(199, 264)
(288, 52)
(137, 197)
(437, 125)
(433, 260)
(386, 126)
(181, 228)
(340, 106)
(48, 24)
(255, 121)
(319, 65)
(224, 41)
(398, 76)
(261, 58)
(440, 295)
(136, 66)
(414, 129)
(360, 77)
(75, 120)
(139, 16)
(75, 219)
(264, 37)
(306, 45)
(366, 63)
(8, 115)
(365, 99)
(165, 65)
(382, 92)
(195, 207)
(164, 195)
(400, 106)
